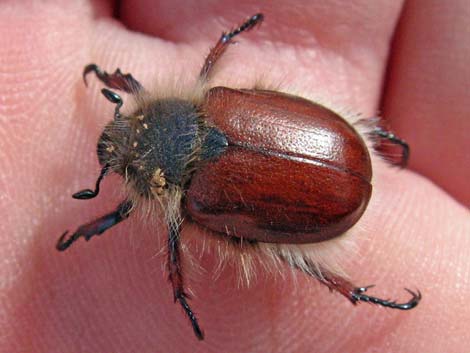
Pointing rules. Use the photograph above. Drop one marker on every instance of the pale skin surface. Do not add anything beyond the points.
(112, 294)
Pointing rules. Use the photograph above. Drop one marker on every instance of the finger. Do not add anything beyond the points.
(138, 313)
(426, 95)
(329, 49)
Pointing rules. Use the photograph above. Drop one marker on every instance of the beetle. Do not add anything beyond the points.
(253, 164)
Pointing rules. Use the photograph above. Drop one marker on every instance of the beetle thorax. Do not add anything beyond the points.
(154, 147)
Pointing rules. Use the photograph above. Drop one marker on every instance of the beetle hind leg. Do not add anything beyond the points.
(176, 277)
(356, 294)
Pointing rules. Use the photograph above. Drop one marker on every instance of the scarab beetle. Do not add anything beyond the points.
(260, 165)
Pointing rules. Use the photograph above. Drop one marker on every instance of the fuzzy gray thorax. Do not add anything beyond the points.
(159, 145)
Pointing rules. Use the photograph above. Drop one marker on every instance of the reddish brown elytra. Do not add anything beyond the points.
(275, 169)
(324, 193)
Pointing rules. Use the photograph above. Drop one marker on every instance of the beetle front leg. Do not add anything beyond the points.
(97, 226)
(226, 38)
(116, 80)
(176, 276)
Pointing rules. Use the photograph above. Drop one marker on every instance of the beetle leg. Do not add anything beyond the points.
(387, 135)
(97, 226)
(355, 294)
(226, 38)
(176, 276)
(415, 299)
(350, 291)
(116, 80)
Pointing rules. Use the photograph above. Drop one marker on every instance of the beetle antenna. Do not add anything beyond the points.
(89, 194)
(358, 295)
(115, 98)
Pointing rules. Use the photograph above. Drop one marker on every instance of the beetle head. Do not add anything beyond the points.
(153, 147)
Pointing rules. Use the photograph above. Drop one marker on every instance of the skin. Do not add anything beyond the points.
(112, 294)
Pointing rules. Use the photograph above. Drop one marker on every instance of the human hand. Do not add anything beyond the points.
(112, 294)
